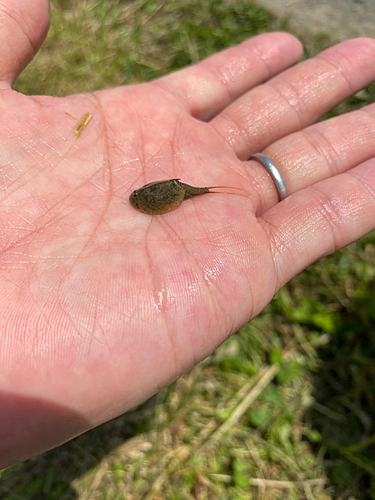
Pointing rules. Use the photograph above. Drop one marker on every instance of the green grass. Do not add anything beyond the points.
(105, 43)
(286, 407)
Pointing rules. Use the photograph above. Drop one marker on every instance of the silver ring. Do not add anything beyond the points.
(275, 174)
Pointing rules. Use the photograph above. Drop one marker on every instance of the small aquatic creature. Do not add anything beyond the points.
(162, 197)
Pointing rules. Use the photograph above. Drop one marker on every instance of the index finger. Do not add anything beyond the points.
(209, 86)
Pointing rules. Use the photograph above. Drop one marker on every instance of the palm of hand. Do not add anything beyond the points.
(102, 305)
(95, 283)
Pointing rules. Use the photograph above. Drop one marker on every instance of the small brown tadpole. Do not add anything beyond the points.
(161, 197)
(82, 124)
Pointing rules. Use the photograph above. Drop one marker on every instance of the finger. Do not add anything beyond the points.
(23, 27)
(297, 97)
(321, 219)
(207, 87)
(316, 153)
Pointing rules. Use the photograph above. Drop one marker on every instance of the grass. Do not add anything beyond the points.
(286, 407)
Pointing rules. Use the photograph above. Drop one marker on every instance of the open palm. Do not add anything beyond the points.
(102, 305)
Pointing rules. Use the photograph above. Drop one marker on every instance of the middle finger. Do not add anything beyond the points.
(297, 97)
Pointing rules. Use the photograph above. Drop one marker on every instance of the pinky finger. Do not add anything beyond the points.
(320, 219)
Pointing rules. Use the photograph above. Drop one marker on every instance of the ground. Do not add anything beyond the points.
(342, 19)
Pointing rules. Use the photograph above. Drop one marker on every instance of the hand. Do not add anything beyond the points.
(101, 305)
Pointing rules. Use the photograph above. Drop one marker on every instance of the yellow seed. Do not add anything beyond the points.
(82, 124)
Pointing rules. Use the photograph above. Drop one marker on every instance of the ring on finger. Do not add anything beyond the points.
(275, 174)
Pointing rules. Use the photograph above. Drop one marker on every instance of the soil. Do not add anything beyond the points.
(341, 19)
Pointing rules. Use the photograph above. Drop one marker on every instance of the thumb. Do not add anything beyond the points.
(23, 27)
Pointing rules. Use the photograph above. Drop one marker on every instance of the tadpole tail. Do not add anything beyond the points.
(246, 195)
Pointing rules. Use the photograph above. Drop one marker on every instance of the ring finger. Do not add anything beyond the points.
(321, 151)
